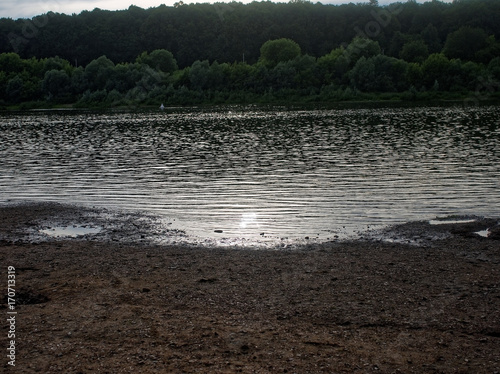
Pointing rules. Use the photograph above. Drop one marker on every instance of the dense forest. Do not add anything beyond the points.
(262, 51)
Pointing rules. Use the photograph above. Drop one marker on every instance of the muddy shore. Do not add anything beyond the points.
(115, 302)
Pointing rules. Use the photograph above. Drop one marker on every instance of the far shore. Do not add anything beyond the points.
(468, 100)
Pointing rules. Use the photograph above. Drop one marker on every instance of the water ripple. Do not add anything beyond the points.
(249, 173)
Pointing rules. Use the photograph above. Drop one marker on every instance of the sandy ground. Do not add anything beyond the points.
(116, 303)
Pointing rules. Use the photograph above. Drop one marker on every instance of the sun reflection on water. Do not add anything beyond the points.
(248, 220)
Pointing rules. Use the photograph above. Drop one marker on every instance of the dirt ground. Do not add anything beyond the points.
(98, 304)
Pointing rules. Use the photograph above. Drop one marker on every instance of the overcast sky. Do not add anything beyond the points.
(29, 8)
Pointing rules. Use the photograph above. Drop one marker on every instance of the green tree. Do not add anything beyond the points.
(56, 84)
(470, 72)
(415, 51)
(36, 67)
(379, 74)
(149, 80)
(22, 87)
(56, 63)
(494, 68)
(334, 65)
(396, 44)
(98, 72)
(435, 69)
(159, 59)
(275, 51)
(11, 63)
(362, 75)
(491, 50)
(430, 36)
(15, 89)
(361, 47)
(283, 75)
(414, 75)
(218, 75)
(465, 43)
(199, 74)
(307, 73)
(240, 75)
(78, 82)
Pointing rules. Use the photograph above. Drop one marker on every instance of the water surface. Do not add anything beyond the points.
(259, 174)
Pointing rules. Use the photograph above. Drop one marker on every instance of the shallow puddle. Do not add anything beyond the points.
(71, 231)
(450, 221)
(483, 233)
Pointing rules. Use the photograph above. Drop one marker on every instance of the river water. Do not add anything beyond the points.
(255, 175)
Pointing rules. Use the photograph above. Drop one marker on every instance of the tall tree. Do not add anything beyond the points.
(159, 59)
(415, 51)
(56, 84)
(465, 43)
(99, 72)
(273, 52)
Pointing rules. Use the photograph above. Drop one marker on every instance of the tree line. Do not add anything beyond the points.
(405, 51)
(224, 32)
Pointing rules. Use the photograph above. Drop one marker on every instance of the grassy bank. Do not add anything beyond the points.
(333, 99)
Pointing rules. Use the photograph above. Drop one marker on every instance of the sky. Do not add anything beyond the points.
(29, 8)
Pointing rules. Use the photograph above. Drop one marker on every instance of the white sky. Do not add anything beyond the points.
(29, 8)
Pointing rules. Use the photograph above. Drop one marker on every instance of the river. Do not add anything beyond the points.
(260, 174)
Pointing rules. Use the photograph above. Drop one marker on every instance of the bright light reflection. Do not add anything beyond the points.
(248, 219)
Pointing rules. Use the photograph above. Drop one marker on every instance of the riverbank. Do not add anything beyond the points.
(361, 100)
(100, 304)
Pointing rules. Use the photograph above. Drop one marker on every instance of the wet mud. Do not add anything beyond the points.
(41, 222)
(425, 233)
(416, 298)
(47, 221)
